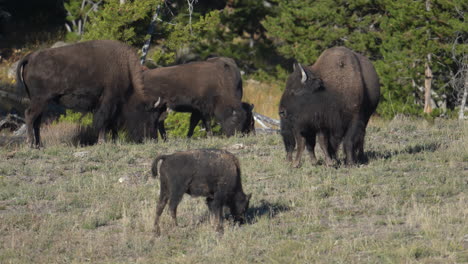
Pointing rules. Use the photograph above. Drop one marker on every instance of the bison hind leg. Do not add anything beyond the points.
(33, 116)
(352, 141)
(163, 198)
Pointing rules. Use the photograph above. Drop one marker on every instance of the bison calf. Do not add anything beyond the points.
(214, 174)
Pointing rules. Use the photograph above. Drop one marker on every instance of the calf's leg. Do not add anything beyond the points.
(217, 208)
(163, 198)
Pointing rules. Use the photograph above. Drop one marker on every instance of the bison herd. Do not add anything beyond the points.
(330, 101)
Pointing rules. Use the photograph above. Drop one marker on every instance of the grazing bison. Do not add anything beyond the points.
(205, 89)
(95, 76)
(138, 120)
(349, 87)
(214, 174)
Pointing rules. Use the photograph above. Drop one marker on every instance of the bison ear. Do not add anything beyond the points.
(252, 107)
(249, 196)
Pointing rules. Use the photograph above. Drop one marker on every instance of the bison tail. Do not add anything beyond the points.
(21, 85)
(155, 168)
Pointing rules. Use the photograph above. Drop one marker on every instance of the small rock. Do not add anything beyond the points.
(237, 146)
(123, 179)
(80, 154)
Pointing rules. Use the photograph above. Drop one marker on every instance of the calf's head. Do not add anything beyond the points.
(239, 206)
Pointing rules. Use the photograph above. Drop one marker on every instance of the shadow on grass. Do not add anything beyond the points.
(387, 154)
(265, 209)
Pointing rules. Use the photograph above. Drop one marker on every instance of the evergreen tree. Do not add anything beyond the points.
(405, 39)
(126, 21)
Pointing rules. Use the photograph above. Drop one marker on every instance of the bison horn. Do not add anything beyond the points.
(303, 73)
(157, 103)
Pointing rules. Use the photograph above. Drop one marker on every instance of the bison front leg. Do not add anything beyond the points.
(162, 130)
(194, 119)
(102, 118)
(328, 146)
(217, 209)
(33, 116)
(310, 145)
(206, 119)
(300, 149)
(288, 140)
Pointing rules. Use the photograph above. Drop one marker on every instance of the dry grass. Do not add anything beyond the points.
(64, 204)
(264, 96)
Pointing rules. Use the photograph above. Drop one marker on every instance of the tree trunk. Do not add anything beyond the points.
(428, 86)
(428, 72)
(461, 114)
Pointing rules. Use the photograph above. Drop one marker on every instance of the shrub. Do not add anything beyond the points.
(177, 125)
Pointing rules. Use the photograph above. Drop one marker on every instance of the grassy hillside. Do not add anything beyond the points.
(409, 204)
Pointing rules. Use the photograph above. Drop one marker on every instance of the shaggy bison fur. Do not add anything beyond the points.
(214, 174)
(95, 76)
(207, 89)
(344, 88)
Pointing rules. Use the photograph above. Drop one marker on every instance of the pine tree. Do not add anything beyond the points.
(126, 21)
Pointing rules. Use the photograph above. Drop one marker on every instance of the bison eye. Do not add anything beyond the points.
(282, 113)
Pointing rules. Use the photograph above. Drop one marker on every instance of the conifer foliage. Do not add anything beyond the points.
(413, 44)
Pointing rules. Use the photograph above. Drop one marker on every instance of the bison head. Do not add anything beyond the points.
(249, 124)
(233, 120)
(239, 206)
(302, 80)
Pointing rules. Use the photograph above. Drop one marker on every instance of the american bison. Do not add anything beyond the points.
(95, 76)
(348, 86)
(207, 89)
(214, 174)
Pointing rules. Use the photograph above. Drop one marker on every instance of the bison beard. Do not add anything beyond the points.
(214, 174)
(97, 76)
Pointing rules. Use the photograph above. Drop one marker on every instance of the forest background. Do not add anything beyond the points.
(419, 48)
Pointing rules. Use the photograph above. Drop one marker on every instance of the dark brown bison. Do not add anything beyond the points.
(345, 89)
(207, 89)
(97, 76)
(138, 120)
(214, 174)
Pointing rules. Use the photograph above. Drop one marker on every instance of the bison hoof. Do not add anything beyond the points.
(220, 230)
(297, 164)
(157, 231)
